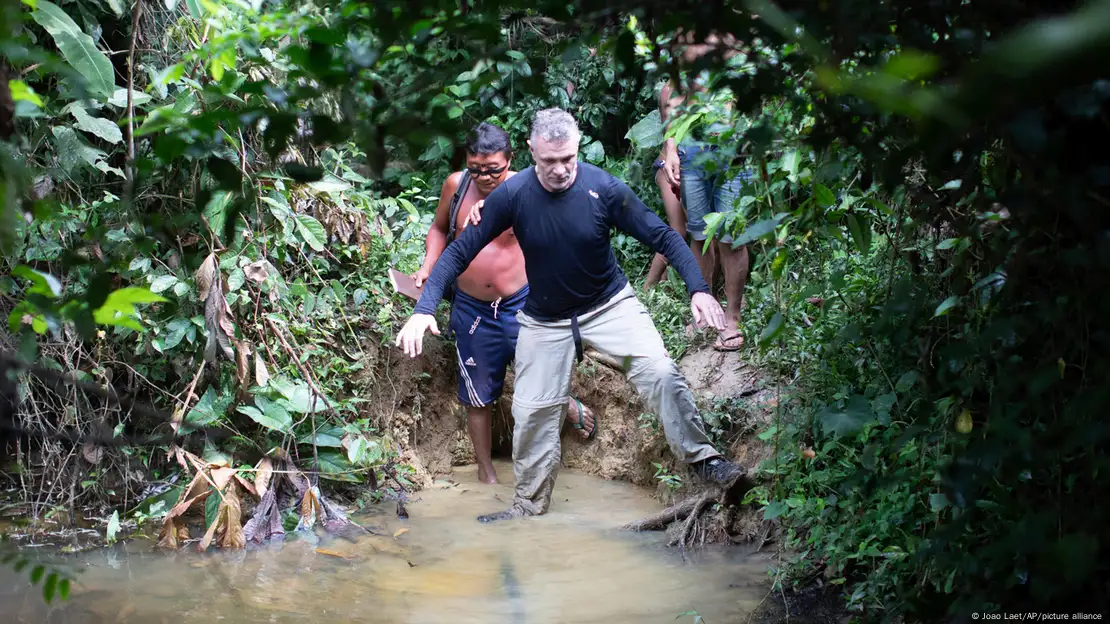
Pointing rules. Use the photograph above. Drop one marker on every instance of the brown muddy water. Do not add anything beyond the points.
(571, 565)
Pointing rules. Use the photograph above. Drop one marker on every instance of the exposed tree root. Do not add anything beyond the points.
(691, 521)
(660, 521)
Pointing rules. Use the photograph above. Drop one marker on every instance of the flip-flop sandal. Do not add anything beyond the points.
(722, 343)
(581, 417)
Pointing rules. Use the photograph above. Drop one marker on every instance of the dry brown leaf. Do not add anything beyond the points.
(246, 485)
(205, 275)
(92, 453)
(264, 471)
(261, 375)
(332, 553)
(242, 364)
(311, 509)
(172, 527)
(177, 418)
(257, 271)
(232, 512)
(217, 314)
(401, 531)
(221, 477)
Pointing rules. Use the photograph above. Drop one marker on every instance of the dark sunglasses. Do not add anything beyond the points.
(493, 173)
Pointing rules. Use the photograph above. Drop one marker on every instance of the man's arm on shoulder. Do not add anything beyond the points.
(629, 213)
(437, 234)
(497, 217)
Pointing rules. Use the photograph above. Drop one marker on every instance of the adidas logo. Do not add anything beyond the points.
(470, 362)
(594, 194)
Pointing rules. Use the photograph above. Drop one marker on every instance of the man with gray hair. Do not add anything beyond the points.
(562, 212)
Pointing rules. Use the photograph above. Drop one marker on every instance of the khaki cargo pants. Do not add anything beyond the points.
(545, 358)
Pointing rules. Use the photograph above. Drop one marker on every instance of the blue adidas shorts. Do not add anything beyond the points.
(485, 340)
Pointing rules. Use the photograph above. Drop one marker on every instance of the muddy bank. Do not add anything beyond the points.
(420, 410)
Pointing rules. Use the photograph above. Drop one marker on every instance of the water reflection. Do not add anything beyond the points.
(571, 565)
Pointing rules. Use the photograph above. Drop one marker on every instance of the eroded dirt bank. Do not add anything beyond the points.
(422, 414)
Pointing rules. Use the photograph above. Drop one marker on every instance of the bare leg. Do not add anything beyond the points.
(479, 422)
(734, 263)
(676, 217)
(707, 260)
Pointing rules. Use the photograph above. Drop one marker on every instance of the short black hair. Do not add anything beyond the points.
(489, 139)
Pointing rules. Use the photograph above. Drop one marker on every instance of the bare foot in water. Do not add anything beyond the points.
(486, 474)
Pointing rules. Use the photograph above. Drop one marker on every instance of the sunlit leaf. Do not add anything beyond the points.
(311, 232)
(22, 93)
(119, 307)
(119, 97)
(78, 48)
(946, 306)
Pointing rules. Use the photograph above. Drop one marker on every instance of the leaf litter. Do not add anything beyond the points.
(277, 484)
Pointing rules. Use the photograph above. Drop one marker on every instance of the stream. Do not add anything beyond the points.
(571, 565)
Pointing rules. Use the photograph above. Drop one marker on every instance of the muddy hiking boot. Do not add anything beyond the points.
(718, 470)
(510, 513)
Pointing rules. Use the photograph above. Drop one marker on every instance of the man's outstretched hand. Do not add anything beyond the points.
(707, 311)
(411, 336)
(475, 216)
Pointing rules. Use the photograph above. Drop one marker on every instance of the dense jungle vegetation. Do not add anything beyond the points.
(199, 201)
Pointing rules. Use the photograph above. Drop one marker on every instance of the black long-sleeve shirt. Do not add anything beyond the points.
(570, 264)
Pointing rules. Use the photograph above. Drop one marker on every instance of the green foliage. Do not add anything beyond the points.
(926, 221)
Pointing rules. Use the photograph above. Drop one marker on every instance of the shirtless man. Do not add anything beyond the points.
(487, 295)
(705, 190)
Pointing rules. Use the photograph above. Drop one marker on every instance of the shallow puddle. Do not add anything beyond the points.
(571, 565)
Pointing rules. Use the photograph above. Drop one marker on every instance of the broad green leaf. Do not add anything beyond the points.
(336, 467)
(938, 502)
(325, 436)
(311, 232)
(824, 196)
(906, 381)
(946, 306)
(116, 7)
(78, 48)
(113, 527)
(849, 420)
(594, 152)
(195, 8)
(99, 126)
(73, 151)
(119, 307)
(235, 279)
(773, 329)
(51, 584)
(860, 227)
(911, 64)
(713, 223)
(163, 283)
(43, 284)
(300, 398)
(274, 418)
(22, 93)
(37, 572)
(757, 230)
(119, 97)
(210, 408)
(774, 510)
(948, 243)
(356, 450)
(330, 184)
(140, 264)
(175, 332)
